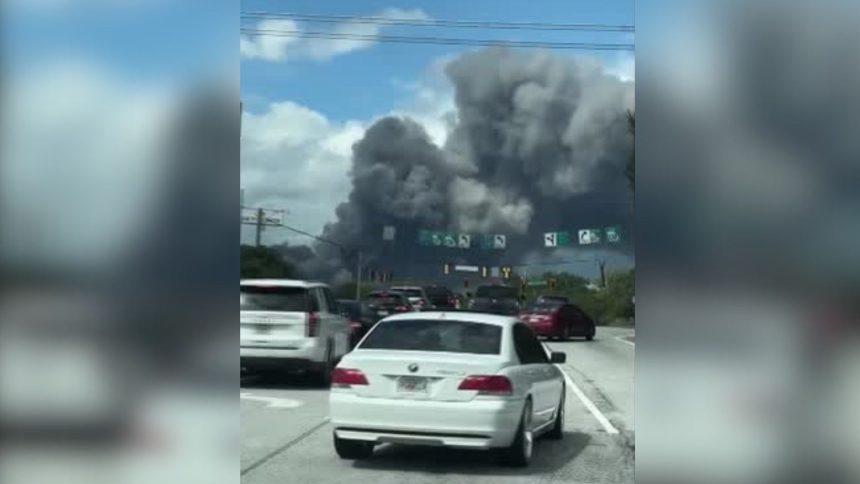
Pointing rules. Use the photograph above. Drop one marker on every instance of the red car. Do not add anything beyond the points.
(558, 320)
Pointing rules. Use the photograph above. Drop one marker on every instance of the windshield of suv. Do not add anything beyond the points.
(273, 298)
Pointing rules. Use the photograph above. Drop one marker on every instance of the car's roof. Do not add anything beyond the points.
(467, 316)
(281, 283)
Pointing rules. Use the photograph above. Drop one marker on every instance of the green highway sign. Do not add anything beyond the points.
(425, 237)
(556, 239)
(589, 236)
(486, 241)
(613, 234)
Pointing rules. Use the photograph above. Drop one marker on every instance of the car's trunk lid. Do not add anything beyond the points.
(419, 375)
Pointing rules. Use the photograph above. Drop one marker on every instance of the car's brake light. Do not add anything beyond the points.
(313, 325)
(487, 384)
(345, 377)
(402, 309)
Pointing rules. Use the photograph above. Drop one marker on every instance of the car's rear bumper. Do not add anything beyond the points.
(281, 358)
(544, 329)
(478, 424)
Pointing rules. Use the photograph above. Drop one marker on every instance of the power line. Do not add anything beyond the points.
(414, 22)
(438, 40)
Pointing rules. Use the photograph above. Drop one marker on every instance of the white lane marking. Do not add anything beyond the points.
(621, 339)
(607, 425)
(273, 402)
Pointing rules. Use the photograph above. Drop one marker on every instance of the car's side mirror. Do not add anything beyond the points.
(557, 357)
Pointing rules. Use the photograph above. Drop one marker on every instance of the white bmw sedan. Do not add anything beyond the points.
(453, 379)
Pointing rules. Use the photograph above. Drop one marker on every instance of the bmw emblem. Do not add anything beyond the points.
(413, 367)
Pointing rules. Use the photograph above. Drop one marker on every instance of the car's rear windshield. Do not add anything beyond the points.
(273, 298)
(410, 292)
(496, 292)
(433, 335)
(385, 299)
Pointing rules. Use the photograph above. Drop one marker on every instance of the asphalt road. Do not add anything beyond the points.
(286, 436)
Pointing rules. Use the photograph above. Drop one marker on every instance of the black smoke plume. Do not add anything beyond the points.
(539, 144)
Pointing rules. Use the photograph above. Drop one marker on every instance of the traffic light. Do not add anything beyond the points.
(551, 283)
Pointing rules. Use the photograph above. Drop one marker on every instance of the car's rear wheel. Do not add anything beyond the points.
(519, 454)
(590, 336)
(352, 449)
(565, 333)
(557, 430)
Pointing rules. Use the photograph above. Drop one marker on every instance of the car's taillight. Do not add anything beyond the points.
(313, 325)
(402, 309)
(354, 325)
(487, 384)
(345, 377)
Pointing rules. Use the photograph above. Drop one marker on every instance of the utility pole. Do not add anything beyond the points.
(601, 264)
(259, 231)
(358, 278)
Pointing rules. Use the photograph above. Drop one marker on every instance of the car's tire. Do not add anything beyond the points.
(557, 430)
(590, 336)
(352, 449)
(565, 333)
(519, 453)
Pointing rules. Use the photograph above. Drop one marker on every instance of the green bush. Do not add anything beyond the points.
(264, 263)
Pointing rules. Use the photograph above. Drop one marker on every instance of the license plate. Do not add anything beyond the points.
(412, 384)
(263, 329)
(382, 313)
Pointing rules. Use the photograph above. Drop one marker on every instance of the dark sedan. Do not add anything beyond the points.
(441, 297)
(496, 300)
(385, 303)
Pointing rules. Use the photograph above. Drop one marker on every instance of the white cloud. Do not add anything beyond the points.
(265, 47)
(274, 48)
(81, 161)
(294, 158)
(431, 100)
(624, 67)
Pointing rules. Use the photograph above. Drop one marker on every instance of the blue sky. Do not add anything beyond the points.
(371, 74)
(141, 39)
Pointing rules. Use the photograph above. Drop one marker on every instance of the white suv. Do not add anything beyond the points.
(290, 325)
